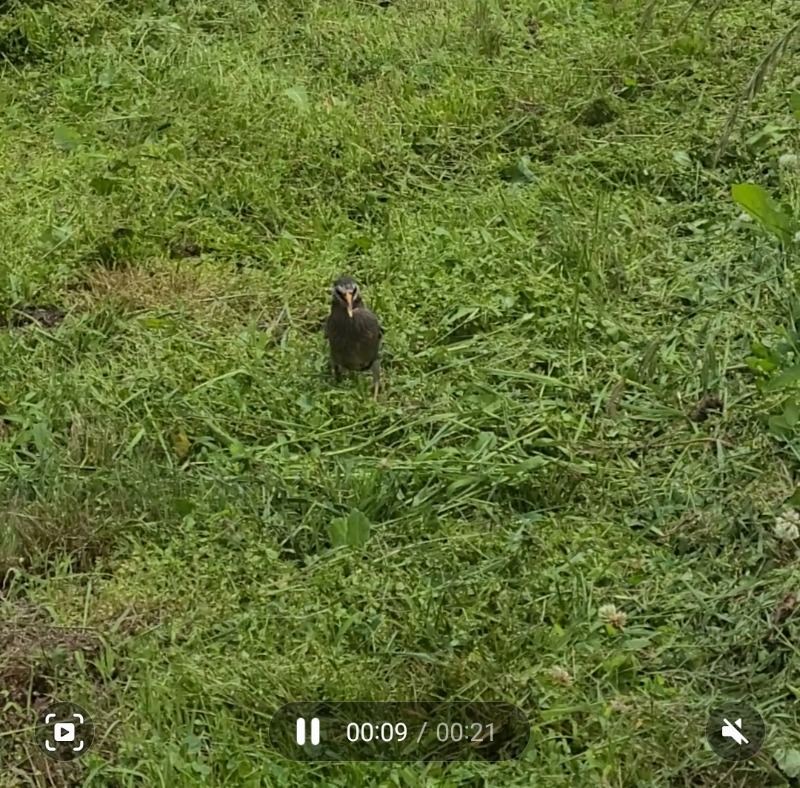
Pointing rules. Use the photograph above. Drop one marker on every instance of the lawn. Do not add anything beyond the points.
(566, 495)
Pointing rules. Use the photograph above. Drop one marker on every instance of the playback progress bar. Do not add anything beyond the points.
(300, 736)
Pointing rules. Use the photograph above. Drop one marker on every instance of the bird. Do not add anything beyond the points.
(353, 332)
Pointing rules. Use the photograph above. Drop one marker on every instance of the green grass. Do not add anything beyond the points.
(539, 217)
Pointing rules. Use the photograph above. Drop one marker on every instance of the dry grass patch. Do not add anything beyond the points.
(202, 292)
(33, 529)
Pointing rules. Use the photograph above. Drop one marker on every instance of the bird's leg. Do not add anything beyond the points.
(375, 368)
(337, 371)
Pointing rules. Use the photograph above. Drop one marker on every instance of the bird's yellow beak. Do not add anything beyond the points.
(349, 298)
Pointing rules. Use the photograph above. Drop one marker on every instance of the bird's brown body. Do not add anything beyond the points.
(353, 332)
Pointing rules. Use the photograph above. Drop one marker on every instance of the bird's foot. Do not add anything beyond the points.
(376, 378)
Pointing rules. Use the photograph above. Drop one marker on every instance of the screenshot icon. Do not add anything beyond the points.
(735, 731)
(64, 731)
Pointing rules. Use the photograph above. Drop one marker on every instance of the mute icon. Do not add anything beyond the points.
(735, 731)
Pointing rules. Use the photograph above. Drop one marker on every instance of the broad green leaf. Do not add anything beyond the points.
(358, 528)
(298, 96)
(55, 236)
(762, 365)
(788, 760)
(463, 481)
(352, 531)
(794, 102)
(66, 138)
(791, 413)
(157, 323)
(184, 507)
(785, 379)
(194, 744)
(682, 158)
(637, 644)
(757, 203)
(102, 185)
(484, 440)
(779, 427)
(770, 134)
(135, 440)
(305, 402)
(106, 78)
(520, 172)
(337, 531)
(362, 242)
(468, 312)
(759, 350)
(526, 466)
(41, 436)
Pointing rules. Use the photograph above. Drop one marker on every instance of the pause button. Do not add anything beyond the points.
(301, 731)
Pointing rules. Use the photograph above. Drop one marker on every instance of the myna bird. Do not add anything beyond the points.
(354, 333)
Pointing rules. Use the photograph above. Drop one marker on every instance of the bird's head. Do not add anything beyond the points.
(345, 293)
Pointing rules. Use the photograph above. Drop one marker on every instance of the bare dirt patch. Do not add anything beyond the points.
(35, 659)
(44, 316)
(30, 649)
